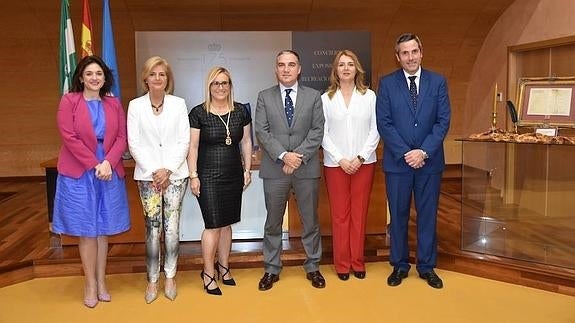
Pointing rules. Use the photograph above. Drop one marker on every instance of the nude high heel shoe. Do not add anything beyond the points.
(90, 303)
(151, 293)
(104, 297)
(171, 292)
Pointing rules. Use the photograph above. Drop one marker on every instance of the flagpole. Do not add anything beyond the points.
(109, 56)
(109, 49)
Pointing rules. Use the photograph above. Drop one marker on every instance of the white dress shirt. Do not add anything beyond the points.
(292, 95)
(418, 74)
(351, 130)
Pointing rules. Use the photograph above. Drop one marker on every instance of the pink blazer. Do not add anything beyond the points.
(78, 152)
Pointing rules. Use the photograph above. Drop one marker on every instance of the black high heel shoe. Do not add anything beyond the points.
(215, 291)
(226, 270)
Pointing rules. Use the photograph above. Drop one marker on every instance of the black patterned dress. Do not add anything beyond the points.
(219, 165)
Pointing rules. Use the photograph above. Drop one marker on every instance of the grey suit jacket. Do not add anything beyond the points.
(275, 136)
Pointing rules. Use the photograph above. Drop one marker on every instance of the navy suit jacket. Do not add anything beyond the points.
(403, 129)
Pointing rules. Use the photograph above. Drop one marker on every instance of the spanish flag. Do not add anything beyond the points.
(87, 48)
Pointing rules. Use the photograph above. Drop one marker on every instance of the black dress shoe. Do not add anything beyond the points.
(343, 276)
(359, 274)
(396, 277)
(432, 279)
(316, 278)
(268, 281)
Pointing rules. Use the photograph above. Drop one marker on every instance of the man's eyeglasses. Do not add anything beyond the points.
(222, 84)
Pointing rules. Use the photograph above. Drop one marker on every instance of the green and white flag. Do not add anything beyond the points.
(67, 49)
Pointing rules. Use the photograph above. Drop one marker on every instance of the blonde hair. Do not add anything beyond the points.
(359, 79)
(212, 74)
(147, 68)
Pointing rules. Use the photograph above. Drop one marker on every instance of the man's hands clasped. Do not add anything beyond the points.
(415, 158)
(292, 161)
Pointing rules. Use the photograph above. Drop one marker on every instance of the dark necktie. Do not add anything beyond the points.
(413, 91)
(288, 104)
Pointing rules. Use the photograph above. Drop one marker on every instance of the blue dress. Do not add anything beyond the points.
(87, 206)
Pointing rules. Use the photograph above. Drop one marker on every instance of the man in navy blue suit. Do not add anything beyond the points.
(413, 114)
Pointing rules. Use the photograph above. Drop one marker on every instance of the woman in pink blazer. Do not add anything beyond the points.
(91, 200)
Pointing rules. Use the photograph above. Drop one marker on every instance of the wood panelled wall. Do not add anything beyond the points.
(452, 33)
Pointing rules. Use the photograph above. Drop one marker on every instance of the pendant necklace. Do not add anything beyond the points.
(227, 125)
(157, 107)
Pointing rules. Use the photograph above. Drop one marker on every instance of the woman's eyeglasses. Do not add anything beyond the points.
(222, 84)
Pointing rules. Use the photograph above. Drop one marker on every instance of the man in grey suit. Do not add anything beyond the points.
(289, 126)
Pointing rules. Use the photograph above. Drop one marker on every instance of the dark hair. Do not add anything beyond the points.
(289, 51)
(405, 38)
(78, 86)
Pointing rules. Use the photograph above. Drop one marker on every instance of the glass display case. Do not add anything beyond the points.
(518, 201)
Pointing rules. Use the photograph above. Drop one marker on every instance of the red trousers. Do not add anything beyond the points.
(349, 202)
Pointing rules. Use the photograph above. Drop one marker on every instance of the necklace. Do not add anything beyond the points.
(227, 125)
(157, 107)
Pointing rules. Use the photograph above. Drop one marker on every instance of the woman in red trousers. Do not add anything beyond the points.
(349, 143)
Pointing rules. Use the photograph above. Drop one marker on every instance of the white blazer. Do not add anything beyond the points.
(351, 130)
(160, 141)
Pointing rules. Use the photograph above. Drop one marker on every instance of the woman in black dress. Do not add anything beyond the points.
(219, 161)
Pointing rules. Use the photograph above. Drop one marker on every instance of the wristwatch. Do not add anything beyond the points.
(425, 156)
(193, 175)
(361, 159)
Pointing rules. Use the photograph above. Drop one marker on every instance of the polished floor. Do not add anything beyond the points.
(29, 250)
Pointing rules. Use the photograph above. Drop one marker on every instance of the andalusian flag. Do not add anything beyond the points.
(67, 49)
(109, 49)
(87, 48)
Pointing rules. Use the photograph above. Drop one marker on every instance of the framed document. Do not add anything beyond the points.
(547, 101)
